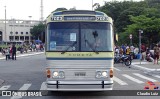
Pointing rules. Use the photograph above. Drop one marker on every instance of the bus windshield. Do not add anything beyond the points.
(79, 36)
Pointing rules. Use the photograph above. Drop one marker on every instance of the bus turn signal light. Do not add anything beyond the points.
(48, 72)
(111, 73)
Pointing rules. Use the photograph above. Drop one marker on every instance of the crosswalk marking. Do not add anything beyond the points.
(156, 76)
(119, 81)
(5, 87)
(133, 79)
(24, 87)
(117, 69)
(43, 86)
(144, 77)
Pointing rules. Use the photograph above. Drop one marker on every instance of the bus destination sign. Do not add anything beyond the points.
(85, 18)
(79, 18)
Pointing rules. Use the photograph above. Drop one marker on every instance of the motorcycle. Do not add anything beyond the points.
(149, 57)
(123, 59)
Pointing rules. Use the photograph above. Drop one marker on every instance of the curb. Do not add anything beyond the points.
(144, 69)
(28, 54)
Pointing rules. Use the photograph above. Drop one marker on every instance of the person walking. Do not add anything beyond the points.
(156, 54)
(13, 52)
(7, 53)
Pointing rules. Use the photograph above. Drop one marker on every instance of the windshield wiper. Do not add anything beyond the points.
(69, 47)
(91, 47)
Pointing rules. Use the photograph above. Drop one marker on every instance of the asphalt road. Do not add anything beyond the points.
(28, 73)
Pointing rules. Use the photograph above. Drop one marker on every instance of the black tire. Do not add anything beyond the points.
(115, 60)
(127, 62)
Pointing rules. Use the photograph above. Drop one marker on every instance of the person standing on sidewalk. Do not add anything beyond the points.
(7, 53)
(128, 50)
(143, 51)
(13, 52)
(156, 54)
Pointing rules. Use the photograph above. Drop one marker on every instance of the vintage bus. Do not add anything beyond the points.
(79, 51)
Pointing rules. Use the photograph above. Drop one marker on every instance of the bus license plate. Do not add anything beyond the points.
(80, 74)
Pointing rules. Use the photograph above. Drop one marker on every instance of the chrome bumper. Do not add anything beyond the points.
(79, 85)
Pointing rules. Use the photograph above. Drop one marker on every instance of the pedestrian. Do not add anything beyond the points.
(117, 51)
(128, 50)
(13, 52)
(143, 51)
(156, 54)
(37, 47)
(3, 51)
(121, 51)
(124, 49)
(10, 51)
(7, 53)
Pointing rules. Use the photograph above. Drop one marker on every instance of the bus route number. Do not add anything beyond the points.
(101, 18)
(56, 18)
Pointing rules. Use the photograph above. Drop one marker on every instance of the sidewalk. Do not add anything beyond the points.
(23, 54)
(147, 67)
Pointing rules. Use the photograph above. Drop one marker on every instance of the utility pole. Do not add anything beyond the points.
(11, 30)
(41, 10)
(5, 25)
(30, 29)
(140, 31)
(130, 36)
(92, 5)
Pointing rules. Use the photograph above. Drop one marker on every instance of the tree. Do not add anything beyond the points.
(124, 24)
(38, 31)
(149, 25)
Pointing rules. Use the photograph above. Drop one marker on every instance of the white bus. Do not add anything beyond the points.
(79, 51)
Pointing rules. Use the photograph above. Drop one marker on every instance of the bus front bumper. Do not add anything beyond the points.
(79, 85)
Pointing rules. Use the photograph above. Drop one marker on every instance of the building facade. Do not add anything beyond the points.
(16, 30)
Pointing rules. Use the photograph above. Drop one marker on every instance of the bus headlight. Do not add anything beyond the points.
(61, 74)
(55, 74)
(101, 74)
(104, 74)
(98, 74)
(58, 74)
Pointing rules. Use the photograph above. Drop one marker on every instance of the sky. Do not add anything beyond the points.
(22, 9)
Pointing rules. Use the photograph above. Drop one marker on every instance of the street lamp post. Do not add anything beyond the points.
(11, 29)
(11, 38)
(130, 36)
(30, 29)
(140, 31)
(5, 25)
(92, 5)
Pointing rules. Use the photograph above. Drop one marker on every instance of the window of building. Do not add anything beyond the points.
(21, 25)
(26, 32)
(21, 32)
(16, 32)
(26, 25)
(22, 38)
(16, 25)
(17, 38)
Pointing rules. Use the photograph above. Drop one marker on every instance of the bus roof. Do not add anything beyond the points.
(82, 13)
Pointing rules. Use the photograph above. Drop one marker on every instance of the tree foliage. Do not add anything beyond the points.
(149, 25)
(38, 30)
(131, 16)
